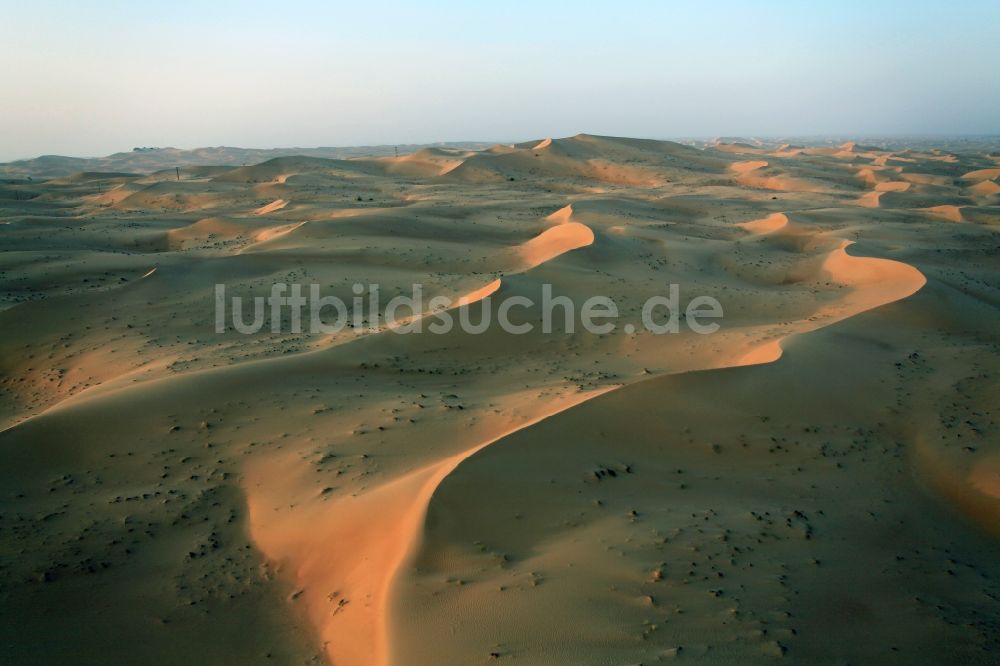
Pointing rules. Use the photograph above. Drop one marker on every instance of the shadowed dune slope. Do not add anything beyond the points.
(816, 480)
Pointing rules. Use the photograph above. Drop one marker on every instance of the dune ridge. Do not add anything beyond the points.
(553, 242)
(766, 225)
(383, 524)
(400, 504)
(277, 204)
(877, 282)
(369, 497)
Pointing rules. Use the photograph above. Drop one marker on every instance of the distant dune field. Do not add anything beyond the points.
(818, 480)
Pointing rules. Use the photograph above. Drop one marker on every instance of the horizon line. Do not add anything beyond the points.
(676, 138)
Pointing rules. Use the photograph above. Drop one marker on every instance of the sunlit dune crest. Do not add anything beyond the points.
(820, 466)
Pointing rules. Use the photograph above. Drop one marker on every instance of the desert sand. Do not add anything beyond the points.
(816, 482)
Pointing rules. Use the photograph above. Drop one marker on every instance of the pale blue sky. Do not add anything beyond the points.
(91, 78)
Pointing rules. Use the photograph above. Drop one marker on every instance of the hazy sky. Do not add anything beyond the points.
(91, 78)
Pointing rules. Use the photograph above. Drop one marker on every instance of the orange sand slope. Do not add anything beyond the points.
(817, 480)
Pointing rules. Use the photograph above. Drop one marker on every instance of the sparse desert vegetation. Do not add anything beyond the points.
(818, 481)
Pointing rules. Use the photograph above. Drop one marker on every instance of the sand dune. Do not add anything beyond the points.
(623, 162)
(817, 480)
(756, 173)
(870, 200)
(388, 520)
(425, 163)
(264, 235)
(985, 188)
(477, 294)
(880, 185)
(206, 229)
(875, 281)
(948, 212)
(383, 527)
(668, 549)
(766, 225)
(748, 166)
(892, 186)
(277, 204)
(553, 242)
(981, 175)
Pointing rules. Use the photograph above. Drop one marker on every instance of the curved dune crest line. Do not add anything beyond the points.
(982, 174)
(869, 200)
(765, 225)
(747, 166)
(469, 298)
(276, 232)
(553, 242)
(277, 204)
(892, 186)
(867, 174)
(985, 188)
(746, 175)
(947, 212)
(120, 382)
(875, 281)
(561, 216)
(478, 294)
(269, 234)
(343, 554)
(767, 352)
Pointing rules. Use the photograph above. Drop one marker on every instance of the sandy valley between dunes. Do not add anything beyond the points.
(818, 481)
